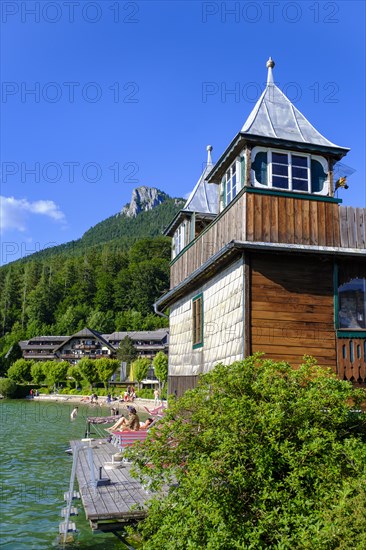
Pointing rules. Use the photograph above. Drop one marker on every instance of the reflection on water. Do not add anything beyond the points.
(36, 472)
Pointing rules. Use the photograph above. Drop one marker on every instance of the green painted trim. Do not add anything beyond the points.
(242, 171)
(335, 295)
(291, 194)
(344, 333)
(195, 298)
(196, 346)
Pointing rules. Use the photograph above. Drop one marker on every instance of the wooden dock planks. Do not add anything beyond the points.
(123, 500)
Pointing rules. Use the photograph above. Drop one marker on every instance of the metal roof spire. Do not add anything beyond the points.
(270, 64)
(274, 116)
(209, 158)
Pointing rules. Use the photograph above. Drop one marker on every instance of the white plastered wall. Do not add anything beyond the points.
(223, 328)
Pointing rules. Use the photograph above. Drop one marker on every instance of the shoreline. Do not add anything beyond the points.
(138, 403)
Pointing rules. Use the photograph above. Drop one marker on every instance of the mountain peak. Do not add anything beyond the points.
(143, 199)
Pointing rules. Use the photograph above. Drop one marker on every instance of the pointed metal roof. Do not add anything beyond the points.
(274, 116)
(202, 202)
(204, 198)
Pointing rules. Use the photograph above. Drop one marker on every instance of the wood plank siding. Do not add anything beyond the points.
(178, 385)
(257, 217)
(292, 310)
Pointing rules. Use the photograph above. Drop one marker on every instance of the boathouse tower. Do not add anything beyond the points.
(282, 268)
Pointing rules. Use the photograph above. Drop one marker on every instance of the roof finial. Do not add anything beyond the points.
(270, 64)
(209, 159)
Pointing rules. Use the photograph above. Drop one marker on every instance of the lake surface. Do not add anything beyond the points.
(35, 473)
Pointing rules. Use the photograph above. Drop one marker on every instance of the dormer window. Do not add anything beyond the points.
(289, 170)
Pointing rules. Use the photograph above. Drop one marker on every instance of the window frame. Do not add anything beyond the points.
(226, 191)
(179, 239)
(346, 311)
(197, 321)
(290, 164)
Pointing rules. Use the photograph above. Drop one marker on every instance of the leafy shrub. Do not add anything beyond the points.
(20, 371)
(146, 393)
(7, 387)
(261, 456)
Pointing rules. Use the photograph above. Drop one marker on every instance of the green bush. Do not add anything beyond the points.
(73, 391)
(146, 393)
(259, 456)
(7, 387)
(20, 371)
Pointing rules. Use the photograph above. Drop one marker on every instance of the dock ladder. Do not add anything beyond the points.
(68, 526)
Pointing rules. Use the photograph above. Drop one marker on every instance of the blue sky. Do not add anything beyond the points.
(100, 97)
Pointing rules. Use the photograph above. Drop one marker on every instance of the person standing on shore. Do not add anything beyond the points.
(156, 397)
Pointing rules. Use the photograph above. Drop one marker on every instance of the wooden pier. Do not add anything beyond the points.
(110, 507)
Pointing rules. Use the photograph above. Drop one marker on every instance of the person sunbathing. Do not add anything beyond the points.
(131, 425)
(145, 425)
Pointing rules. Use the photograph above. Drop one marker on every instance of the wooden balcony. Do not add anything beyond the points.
(274, 217)
(351, 359)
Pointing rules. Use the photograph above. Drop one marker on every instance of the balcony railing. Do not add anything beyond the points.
(351, 358)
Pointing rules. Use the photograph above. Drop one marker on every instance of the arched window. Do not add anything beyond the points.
(352, 304)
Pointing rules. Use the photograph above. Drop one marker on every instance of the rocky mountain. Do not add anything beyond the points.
(143, 199)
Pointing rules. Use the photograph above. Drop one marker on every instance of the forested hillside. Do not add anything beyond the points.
(118, 231)
(107, 280)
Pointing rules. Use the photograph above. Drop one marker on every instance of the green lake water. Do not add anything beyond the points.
(35, 473)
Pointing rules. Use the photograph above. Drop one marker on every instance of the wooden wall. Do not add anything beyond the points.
(228, 227)
(291, 309)
(352, 227)
(178, 385)
(258, 217)
(291, 220)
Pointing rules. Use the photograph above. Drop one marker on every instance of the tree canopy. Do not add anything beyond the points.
(106, 288)
(56, 372)
(88, 370)
(127, 352)
(139, 369)
(106, 368)
(258, 456)
(20, 371)
(160, 364)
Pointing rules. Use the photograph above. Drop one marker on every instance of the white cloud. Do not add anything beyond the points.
(15, 212)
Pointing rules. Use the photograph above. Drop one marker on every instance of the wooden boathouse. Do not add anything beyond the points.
(276, 264)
